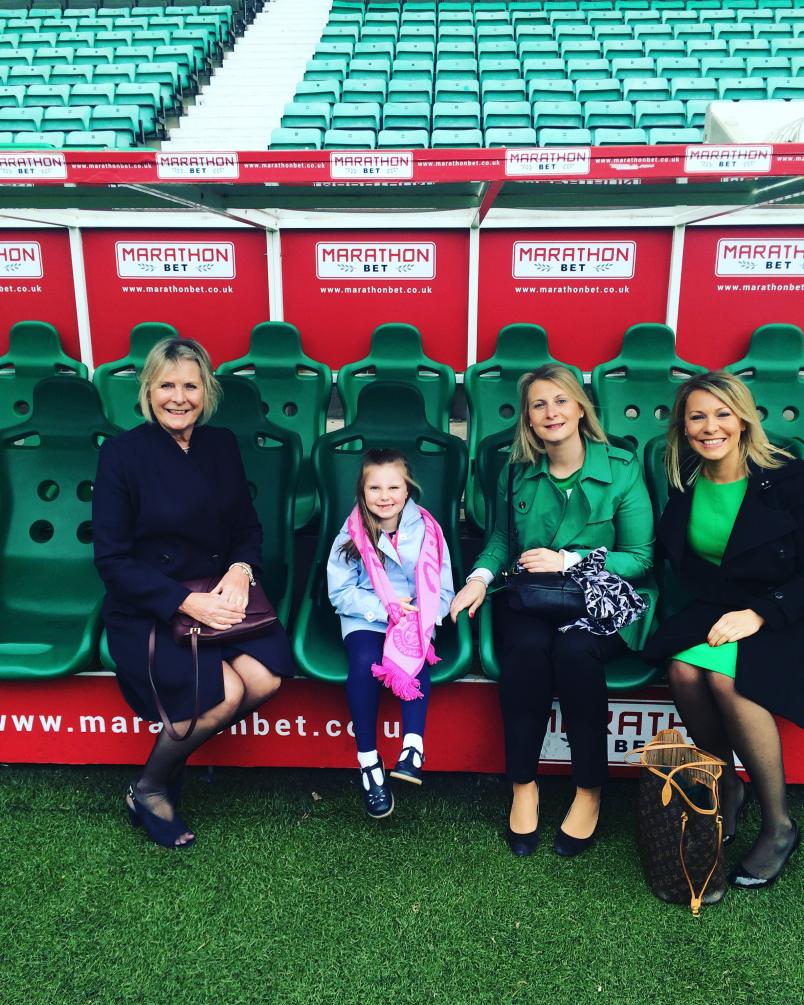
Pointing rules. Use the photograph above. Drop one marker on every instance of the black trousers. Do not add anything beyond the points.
(536, 661)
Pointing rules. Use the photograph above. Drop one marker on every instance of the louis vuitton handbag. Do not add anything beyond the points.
(679, 826)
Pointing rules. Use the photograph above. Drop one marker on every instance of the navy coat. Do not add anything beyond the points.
(160, 516)
(762, 569)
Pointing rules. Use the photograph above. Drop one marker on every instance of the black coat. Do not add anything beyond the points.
(763, 570)
(159, 517)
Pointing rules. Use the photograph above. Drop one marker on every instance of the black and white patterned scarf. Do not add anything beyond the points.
(611, 601)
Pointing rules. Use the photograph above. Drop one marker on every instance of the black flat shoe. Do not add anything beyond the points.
(745, 880)
(406, 769)
(522, 844)
(377, 799)
(160, 831)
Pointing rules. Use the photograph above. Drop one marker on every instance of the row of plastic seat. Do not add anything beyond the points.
(45, 9)
(634, 391)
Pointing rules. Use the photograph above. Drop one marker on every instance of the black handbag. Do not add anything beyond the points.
(554, 597)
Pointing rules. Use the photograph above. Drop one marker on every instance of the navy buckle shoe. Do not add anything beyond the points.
(406, 768)
(377, 799)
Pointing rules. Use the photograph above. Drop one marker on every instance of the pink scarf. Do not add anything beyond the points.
(407, 641)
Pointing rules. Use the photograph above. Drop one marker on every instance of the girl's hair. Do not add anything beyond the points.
(682, 463)
(167, 352)
(375, 458)
(527, 446)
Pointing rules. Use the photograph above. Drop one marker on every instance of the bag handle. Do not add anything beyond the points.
(706, 765)
(696, 898)
(171, 730)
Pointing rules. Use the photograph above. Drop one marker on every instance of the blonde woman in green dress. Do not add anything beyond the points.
(733, 530)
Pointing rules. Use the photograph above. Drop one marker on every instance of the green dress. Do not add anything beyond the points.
(714, 510)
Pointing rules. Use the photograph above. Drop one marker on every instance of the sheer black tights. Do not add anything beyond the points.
(721, 720)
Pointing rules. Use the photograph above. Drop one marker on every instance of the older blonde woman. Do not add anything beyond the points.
(573, 492)
(733, 529)
(171, 503)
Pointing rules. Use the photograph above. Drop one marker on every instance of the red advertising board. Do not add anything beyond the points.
(733, 280)
(84, 720)
(211, 285)
(339, 285)
(584, 287)
(36, 284)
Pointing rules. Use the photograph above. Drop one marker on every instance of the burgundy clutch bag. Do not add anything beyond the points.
(260, 617)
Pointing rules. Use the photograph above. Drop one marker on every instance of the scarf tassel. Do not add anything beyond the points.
(402, 684)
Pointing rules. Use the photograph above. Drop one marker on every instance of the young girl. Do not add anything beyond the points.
(390, 580)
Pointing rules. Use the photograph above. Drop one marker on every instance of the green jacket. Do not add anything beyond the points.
(609, 506)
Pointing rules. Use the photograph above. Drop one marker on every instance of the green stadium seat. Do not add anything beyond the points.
(696, 113)
(67, 119)
(457, 90)
(707, 48)
(147, 98)
(634, 66)
(403, 139)
(543, 69)
(295, 139)
(532, 53)
(456, 69)
(507, 115)
(659, 113)
(118, 381)
(46, 96)
(307, 115)
(750, 47)
(11, 97)
(564, 137)
(786, 88)
(661, 47)
(396, 354)
(50, 593)
(773, 368)
(608, 114)
(414, 68)
(623, 49)
(410, 90)
(438, 463)
(328, 90)
(350, 139)
(34, 352)
(598, 90)
(580, 50)
(558, 115)
(588, 69)
(694, 89)
(271, 457)
(678, 66)
(492, 397)
(634, 391)
(743, 89)
(295, 392)
(664, 135)
(88, 56)
(371, 91)
(503, 90)
(124, 120)
(550, 91)
(619, 137)
(25, 76)
(406, 115)
(627, 672)
(645, 89)
(325, 69)
(510, 137)
(356, 116)
(21, 119)
(33, 141)
(502, 49)
(456, 115)
(362, 68)
(725, 66)
(767, 66)
(115, 73)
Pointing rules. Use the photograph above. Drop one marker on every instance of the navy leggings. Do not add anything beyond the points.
(363, 690)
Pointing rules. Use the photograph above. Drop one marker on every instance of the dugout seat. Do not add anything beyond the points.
(634, 392)
(34, 352)
(625, 673)
(118, 382)
(492, 396)
(774, 371)
(50, 593)
(438, 463)
(295, 392)
(397, 355)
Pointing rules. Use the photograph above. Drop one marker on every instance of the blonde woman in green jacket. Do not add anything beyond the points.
(572, 492)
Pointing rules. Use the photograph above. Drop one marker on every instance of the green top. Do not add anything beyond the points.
(714, 510)
(565, 484)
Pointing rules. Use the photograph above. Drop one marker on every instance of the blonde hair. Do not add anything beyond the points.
(529, 447)
(376, 458)
(735, 395)
(168, 351)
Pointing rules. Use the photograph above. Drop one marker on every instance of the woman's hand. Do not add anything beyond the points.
(407, 606)
(472, 596)
(542, 560)
(212, 610)
(233, 588)
(733, 626)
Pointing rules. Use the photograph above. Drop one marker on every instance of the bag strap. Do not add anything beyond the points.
(706, 764)
(510, 518)
(171, 731)
(696, 898)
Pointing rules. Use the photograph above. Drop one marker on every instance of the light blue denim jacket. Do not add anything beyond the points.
(350, 589)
